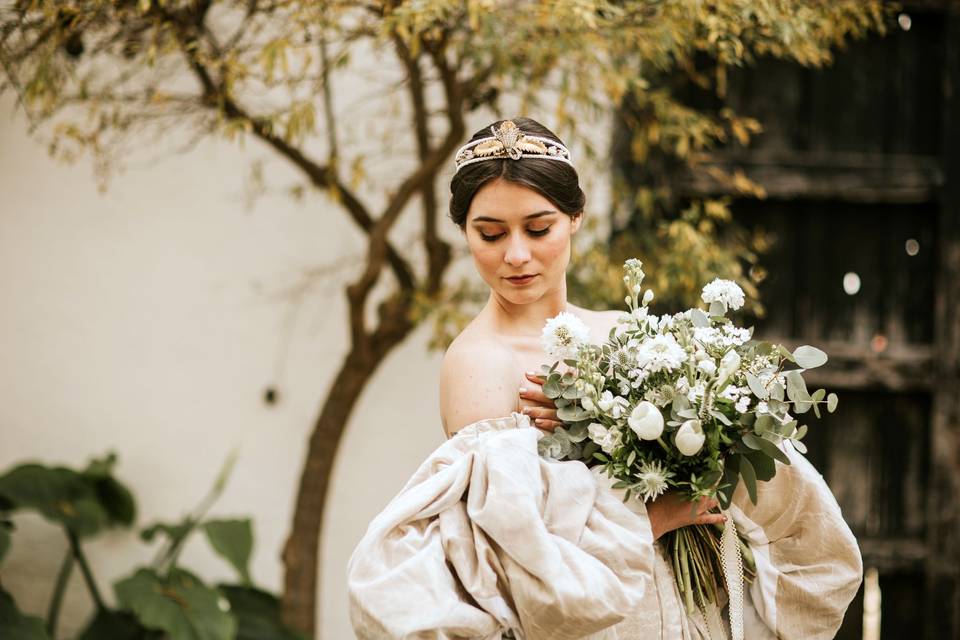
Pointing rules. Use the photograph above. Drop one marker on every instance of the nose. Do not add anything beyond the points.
(517, 251)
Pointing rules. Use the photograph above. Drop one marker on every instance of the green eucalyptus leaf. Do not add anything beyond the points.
(551, 388)
(832, 402)
(801, 431)
(180, 605)
(573, 413)
(6, 526)
(817, 395)
(719, 416)
(572, 392)
(799, 446)
(233, 541)
(764, 467)
(773, 450)
(756, 386)
(751, 441)
(699, 318)
(809, 357)
(776, 391)
(14, 625)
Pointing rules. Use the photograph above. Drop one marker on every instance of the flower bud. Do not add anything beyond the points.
(647, 296)
(690, 438)
(728, 365)
(646, 421)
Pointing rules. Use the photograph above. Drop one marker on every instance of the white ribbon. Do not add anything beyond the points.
(733, 576)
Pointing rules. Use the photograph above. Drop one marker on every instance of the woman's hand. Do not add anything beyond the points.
(672, 511)
(542, 411)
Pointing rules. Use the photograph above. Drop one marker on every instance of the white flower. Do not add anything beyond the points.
(647, 297)
(683, 385)
(690, 437)
(696, 391)
(709, 367)
(587, 403)
(563, 335)
(762, 407)
(660, 352)
(652, 479)
(606, 438)
(729, 363)
(646, 421)
(732, 392)
(742, 404)
(614, 406)
(725, 291)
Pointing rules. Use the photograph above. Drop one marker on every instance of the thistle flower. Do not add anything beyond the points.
(563, 335)
(652, 479)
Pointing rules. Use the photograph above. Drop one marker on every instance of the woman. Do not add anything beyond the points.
(489, 540)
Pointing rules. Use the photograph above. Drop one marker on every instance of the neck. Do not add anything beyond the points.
(526, 319)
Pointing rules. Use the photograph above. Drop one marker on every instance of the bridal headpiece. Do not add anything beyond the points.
(508, 141)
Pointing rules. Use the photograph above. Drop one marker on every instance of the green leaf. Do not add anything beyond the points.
(756, 386)
(551, 388)
(771, 449)
(699, 318)
(799, 446)
(764, 466)
(6, 527)
(572, 413)
(809, 357)
(233, 540)
(257, 613)
(61, 495)
(182, 606)
(17, 626)
(174, 532)
(832, 402)
(117, 625)
(749, 478)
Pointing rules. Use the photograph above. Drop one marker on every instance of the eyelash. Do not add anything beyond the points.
(537, 234)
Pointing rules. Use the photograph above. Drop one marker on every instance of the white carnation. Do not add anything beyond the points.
(725, 291)
(661, 352)
(563, 335)
(709, 367)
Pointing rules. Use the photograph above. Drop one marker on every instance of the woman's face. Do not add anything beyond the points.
(519, 240)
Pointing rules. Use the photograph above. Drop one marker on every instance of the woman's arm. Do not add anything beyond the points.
(477, 381)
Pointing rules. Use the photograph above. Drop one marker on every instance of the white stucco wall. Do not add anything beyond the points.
(149, 320)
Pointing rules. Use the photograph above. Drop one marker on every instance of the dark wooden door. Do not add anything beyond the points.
(861, 164)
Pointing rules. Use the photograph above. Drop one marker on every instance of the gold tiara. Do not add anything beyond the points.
(508, 141)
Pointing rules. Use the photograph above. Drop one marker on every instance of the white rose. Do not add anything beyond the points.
(690, 437)
(646, 421)
(729, 363)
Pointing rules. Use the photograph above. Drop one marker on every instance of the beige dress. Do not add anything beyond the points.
(489, 540)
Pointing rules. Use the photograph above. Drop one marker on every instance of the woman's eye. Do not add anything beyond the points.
(490, 238)
(539, 232)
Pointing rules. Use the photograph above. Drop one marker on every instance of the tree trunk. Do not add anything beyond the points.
(302, 549)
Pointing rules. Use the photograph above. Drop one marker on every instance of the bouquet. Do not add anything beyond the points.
(688, 402)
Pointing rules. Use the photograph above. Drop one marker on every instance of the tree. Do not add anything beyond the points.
(93, 76)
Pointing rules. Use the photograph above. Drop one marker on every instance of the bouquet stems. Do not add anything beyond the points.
(697, 565)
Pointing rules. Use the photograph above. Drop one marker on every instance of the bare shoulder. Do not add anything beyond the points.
(600, 323)
(477, 381)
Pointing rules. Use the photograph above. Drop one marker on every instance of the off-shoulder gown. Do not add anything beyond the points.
(489, 540)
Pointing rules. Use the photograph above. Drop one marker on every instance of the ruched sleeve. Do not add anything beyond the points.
(488, 537)
(808, 563)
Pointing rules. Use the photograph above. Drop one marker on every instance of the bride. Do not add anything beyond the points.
(488, 540)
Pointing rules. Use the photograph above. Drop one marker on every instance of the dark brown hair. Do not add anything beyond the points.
(554, 180)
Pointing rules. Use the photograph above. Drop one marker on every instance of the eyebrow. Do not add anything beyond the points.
(526, 217)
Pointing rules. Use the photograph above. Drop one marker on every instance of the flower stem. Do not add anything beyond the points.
(85, 570)
(59, 588)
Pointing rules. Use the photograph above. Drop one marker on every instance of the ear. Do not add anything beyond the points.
(575, 222)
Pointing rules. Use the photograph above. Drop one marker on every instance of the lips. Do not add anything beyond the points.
(524, 279)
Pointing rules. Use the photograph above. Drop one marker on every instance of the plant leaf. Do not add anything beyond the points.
(809, 357)
(180, 605)
(749, 478)
(257, 613)
(233, 540)
(17, 626)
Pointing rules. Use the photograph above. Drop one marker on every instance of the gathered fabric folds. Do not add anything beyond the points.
(489, 540)
(487, 537)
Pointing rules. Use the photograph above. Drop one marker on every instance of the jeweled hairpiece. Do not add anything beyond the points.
(508, 141)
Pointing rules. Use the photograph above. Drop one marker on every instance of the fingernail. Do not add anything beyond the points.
(523, 390)
(538, 421)
(525, 410)
(531, 373)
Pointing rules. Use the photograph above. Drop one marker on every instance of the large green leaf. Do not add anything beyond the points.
(233, 540)
(16, 626)
(180, 605)
(115, 498)
(257, 613)
(809, 357)
(5, 528)
(117, 625)
(59, 494)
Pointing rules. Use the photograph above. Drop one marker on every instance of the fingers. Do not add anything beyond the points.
(710, 518)
(706, 504)
(543, 417)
